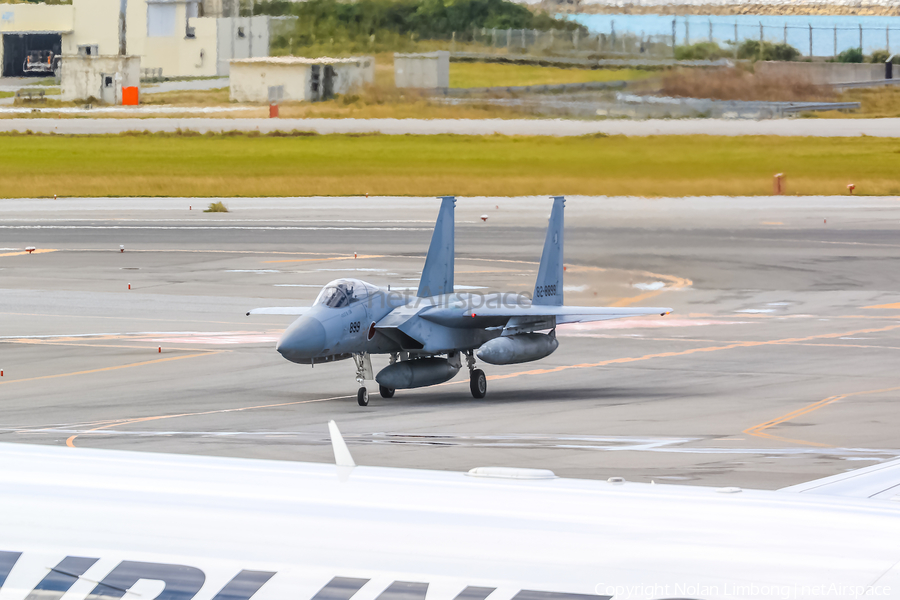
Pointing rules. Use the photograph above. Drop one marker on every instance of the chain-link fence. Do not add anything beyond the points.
(812, 37)
(563, 42)
(809, 40)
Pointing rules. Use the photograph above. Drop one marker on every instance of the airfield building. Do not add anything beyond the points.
(298, 79)
(181, 37)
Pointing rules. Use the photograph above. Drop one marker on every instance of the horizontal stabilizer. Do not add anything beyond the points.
(878, 481)
(280, 310)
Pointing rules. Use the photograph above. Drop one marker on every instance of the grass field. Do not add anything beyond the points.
(244, 165)
(468, 75)
(875, 102)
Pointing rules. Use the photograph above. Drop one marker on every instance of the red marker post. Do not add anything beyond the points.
(778, 184)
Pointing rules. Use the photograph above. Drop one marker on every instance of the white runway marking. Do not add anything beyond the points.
(168, 337)
(90, 335)
(258, 338)
(672, 445)
(215, 227)
(656, 285)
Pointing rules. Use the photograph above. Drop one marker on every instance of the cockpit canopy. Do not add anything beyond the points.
(344, 292)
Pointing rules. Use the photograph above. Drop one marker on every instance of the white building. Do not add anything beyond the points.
(429, 70)
(166, 34)
(299, 78)
(108, 79)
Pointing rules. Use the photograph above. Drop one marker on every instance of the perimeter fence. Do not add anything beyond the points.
(809, 39)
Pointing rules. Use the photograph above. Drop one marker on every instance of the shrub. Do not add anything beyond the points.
(700, 51)
(379, 25)
(217, 207)
(881, 56)
(755, 50)
(851, 55)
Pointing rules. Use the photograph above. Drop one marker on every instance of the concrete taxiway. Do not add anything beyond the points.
(778, 366)
(551, 127)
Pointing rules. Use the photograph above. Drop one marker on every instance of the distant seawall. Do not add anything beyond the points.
(726, 7)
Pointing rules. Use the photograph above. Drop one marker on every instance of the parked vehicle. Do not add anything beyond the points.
(41, 61)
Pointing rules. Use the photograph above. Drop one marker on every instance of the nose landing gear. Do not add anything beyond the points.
(363, 372)
(477, 379)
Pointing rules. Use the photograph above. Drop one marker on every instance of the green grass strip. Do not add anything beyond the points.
(305, 164)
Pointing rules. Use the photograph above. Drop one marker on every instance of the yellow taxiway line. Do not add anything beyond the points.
(760, 429)
(104, 369)
(23, 253)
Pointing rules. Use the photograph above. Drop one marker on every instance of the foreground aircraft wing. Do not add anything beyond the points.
(880, 481)
(281, 310)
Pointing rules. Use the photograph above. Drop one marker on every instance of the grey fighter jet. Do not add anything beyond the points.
(427, 336)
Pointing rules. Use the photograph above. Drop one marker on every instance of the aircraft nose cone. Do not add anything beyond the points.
(303, 340)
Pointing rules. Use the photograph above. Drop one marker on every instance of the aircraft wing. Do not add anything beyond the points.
(880, 481)
(486, 316)
(280, 310)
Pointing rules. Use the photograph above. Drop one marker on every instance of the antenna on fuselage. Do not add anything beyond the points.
(437, 275)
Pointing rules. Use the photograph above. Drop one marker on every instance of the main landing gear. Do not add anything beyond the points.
(477, 379)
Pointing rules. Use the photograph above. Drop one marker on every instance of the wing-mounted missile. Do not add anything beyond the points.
(417, 373)
(517, 348)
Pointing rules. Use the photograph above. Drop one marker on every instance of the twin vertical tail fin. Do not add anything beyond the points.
(437, 276)
(548, 289)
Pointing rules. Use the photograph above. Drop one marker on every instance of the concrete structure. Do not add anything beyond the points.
(821, 72)
(167, 34)
(428, 70)
(308, 79)
(100, 78)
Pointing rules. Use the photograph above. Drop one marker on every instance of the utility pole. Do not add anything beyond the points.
(123, 8)
(250, 29)
(735, 40)
(674, 41)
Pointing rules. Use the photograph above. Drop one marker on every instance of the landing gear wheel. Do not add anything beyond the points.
(362, 397)
(478, 383)
(386, 392)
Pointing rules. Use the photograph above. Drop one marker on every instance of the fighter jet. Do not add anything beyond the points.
(428, 336)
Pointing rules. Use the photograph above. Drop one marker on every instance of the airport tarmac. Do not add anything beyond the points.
(552, 127)
(777, 366)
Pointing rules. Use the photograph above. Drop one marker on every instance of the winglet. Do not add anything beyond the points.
(437, 275)
(548, 289)
(342, 456)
